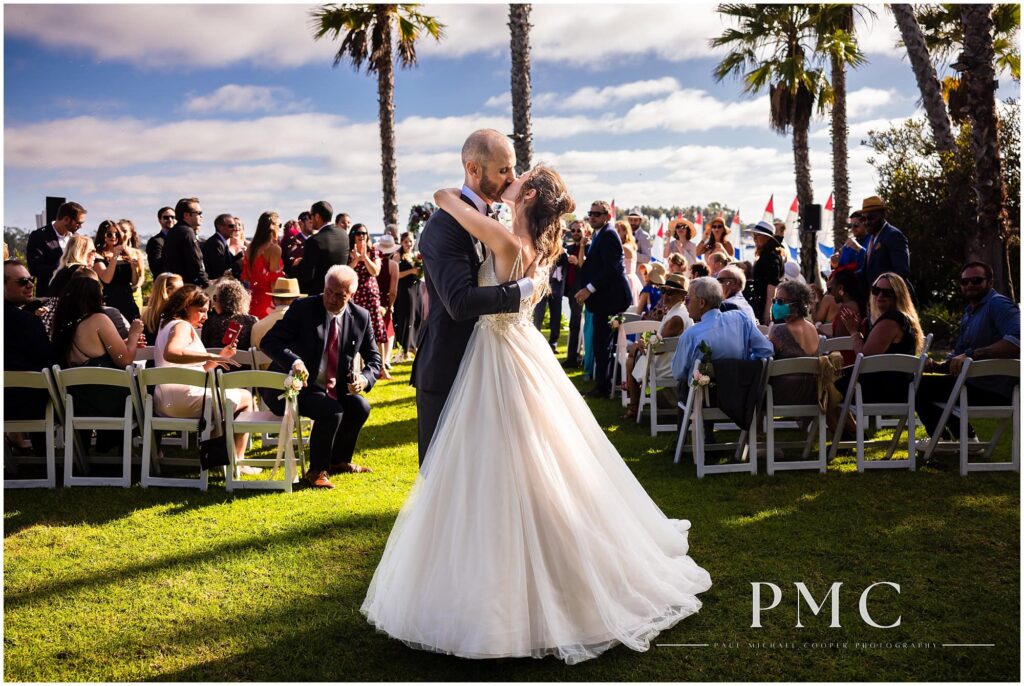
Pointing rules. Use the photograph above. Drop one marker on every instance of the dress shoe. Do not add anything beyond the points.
(349, 468)
(318, 480)
(571, 364)
(596, 393)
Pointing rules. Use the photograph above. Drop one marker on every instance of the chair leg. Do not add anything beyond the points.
(51, 451)
(769, 431)
(964, 423)
(911, 432)
(860, 432)
(822, 454)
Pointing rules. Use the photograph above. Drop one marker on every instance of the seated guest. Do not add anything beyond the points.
(674, 322)
(733, 281)
(716, 262)
(231, 304)
(989, 329)
(698, 270)
(283, 294)
(650, 294)
(320, 335)
(263, 265)
(677, 264)
(178, 345)
(892, 328)
(27, 348)
(847, 296)
(84, 336)
(793, 336)
(163, 288)
(730, 335)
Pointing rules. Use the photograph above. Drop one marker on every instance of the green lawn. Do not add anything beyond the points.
(166, 584)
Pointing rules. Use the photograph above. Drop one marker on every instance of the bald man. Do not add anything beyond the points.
(451, 260)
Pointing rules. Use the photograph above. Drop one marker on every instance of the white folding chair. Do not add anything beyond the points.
(627, 328)
(652, 382)
(886, 422)
(45, 425)
(821, 344)
(826, 329)
(96, 376)
(685, 410)
(837, 344)
(152, 458)
(260, 360)
(253, 421)
(144, 355)
(906, 364)
(764, 329)
(804, 366)
(744, 447)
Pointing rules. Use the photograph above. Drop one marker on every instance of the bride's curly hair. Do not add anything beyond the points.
(553, 200)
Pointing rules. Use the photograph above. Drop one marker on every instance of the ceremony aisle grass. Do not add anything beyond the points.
(169, 584)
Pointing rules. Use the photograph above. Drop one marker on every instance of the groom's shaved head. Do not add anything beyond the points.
(484, 145)
(489, 161)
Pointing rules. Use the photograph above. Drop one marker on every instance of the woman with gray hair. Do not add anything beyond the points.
(230, 304)
(793, 336)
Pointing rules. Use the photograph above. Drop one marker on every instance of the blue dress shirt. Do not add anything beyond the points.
(731, 336)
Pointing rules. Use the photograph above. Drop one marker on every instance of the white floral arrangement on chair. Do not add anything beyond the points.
(293, 383)
(702, 374)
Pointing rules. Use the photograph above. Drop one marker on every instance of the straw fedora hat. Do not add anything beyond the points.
(675, 282)
(286, 288)
(873, 204)
(656, 273)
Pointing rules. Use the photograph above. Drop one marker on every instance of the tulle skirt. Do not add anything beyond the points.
(525, 533)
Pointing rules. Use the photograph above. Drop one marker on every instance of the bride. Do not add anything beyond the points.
(525, 533)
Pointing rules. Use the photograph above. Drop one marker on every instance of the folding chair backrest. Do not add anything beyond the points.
(251, 379)
(172, 375)
(667, 345)
(35, 380)
(763, 329)
(981, 368)
(145, 354)
(927, 345)
(630, 317)
(243, 357)
(826, 329)
(793, 365)
(93, 376)
(634, 327)
(260, 360)
(908, 364)
(837, 344)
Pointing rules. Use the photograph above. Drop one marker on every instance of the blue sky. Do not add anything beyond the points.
(126, 108)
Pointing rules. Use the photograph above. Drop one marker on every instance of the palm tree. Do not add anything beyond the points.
(835, 31)
(977, 65)
(774, 48)
(369, 37)
(522, 134)
(924, 72)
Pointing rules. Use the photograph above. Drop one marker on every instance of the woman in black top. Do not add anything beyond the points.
(121, 270)
(767, 271)
(407, 302)
(231, 304)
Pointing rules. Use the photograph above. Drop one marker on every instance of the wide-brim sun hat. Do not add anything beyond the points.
(763, 228)
(675, 282)
(691, 230)
(386, 244)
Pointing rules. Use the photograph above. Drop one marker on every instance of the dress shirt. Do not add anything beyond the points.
(62, 240)
(321, 375)
(994, 318)
(742, 305)
(731, 336)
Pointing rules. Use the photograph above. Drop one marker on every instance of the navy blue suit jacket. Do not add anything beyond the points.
(890, 252)
(605, 269)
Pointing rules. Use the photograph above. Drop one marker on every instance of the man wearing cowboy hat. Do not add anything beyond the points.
(887, 248)
(282, 294)
(643, 241)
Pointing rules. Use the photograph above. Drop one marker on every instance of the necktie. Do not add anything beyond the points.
(332, 359)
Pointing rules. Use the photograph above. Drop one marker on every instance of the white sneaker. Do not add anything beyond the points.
(249, 471)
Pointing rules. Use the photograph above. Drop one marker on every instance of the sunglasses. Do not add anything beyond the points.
(167, 218)
(25, 281)
(198, 214)
(973, 280)
(357, 234)
(887, 292)
(596, 214)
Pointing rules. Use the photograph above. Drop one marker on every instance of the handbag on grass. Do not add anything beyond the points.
(213, 452)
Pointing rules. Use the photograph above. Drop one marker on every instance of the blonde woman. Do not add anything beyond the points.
(163, 288)
(78, 253)
(629, 251)
(132, 239)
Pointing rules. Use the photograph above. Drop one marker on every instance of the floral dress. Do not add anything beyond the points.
(368, 295)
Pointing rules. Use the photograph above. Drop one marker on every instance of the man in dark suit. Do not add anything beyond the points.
(321, 335)
(888, 249)
(46, 245)
(27, 348)
(155, 245)
(324, 249)
(606, 290)
(451, 260)
(217, 256)
(182, 255)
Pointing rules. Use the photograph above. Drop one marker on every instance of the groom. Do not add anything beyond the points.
(451, 259)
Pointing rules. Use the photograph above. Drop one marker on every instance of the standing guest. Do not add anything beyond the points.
(366, 262)
(262, 265)
(46, 245)
(606, 292)
(682, 232)
(293, 247)
(85, 337)
(27, 348)
(650, 294)
(989, 329)
(629, 252)
(733, 281)
(182, 254)
(387, 286)
(780, 230)
(231, 305)
(575, 257)
(178, 345)
(887, 248)
(155, 245)
(677, 264)
(78, 253)
(716, 262)
(237, 244)
(552, 301)
(698, 270)
(218, 259)
(673, 323)
(767, 271)
(407, 301)
(392, 230)
(716, 239)
(121, 271)
(320, 336)
(643, 241)
(164, 287)
(343, 222)
(324, 249)
(853, 252)
(132, 239)
(283, 293)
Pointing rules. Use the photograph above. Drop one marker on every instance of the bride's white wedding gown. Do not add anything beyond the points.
(525, 534)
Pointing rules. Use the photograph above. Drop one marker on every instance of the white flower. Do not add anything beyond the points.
(288, 381)
(296, 384)
(703, 379)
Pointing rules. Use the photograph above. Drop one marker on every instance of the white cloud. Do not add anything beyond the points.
(864, 101)
(502, 100)
(696, 110)
(592, 98)
(878, 35)
(237, 99)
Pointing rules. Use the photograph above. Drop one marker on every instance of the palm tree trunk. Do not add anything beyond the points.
(522, 138)
(989, 240)
(924, 72)
(840, 163)
(386, 115)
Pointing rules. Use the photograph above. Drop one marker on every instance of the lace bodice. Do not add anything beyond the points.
(524, 317)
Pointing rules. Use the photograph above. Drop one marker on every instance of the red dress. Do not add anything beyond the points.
(261, 281)
(368, 295)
